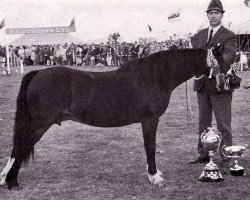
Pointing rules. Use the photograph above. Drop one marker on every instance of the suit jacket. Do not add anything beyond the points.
(228, 49)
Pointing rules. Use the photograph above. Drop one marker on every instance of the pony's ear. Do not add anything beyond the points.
(216, 49)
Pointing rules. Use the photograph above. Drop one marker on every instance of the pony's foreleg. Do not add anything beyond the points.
(149, 127)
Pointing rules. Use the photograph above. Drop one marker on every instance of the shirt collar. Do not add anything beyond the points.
(214, 29)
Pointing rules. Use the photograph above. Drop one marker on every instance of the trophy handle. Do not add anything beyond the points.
(202, 135)
(224, 152)
(246, 145)
(220, 138)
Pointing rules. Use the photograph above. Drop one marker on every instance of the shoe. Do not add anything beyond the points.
(199, 159)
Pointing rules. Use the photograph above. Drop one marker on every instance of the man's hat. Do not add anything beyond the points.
(215, 5)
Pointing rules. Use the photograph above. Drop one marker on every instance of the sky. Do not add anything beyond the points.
(98, 18)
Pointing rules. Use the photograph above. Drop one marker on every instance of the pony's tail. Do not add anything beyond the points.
(22, 148)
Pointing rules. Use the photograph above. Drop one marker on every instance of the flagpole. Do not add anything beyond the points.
(7, 58)
(241, 64)
(243, 41)
(238, 35)
(148, 35)
(247, 45)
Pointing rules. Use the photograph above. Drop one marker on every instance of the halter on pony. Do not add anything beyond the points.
(214, 67)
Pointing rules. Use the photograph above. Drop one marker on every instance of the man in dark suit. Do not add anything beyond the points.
(135, 50)
(209, 98)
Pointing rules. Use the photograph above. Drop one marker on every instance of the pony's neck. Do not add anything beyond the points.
(169, 68)
(181, 65)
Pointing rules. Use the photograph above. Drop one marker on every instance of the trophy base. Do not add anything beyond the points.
(237, 172)
(211, 176)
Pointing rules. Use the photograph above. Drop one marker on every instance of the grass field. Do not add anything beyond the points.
(76, 161)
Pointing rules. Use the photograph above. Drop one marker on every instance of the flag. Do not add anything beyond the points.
(149, 28)
(247, 3)
(174, 16)
(2, 24)
(72, 23)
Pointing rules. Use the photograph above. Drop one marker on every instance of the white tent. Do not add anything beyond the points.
(243, 36)
(243, 28)
(45, 39)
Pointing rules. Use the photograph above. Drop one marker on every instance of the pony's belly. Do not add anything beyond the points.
(109, 119)
(108, 116)
(110, 124)
(106, 121)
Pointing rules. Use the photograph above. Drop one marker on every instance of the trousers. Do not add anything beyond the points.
(220, 105)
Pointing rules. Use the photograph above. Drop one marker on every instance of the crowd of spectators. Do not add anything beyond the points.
(87, 54)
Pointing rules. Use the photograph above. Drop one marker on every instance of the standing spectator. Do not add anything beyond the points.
(152, 48)
(124, 52)
(33, 57)
(42, 56)
(12, 56)
(37, 54)
(55, 49)
(92, 55)
(78, 55)
(85, 50)
(135, 50)
(2, 58)
(21, 53)
(102, 55)
(28, 60)
(115, 55)
(58, 57)
(51, 54)
(46, 56)
(63, 54)
(110, 52)
(189, 38)
(142, 50)
(70, 52)
(21, 57)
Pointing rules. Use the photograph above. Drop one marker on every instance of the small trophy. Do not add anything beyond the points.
(211, 141)
(234, 152)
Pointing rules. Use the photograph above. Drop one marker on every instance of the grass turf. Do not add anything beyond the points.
(77, 161)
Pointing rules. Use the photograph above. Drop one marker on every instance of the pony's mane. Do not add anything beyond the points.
(158, 62)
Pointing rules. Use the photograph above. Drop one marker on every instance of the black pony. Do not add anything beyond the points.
(138, 92)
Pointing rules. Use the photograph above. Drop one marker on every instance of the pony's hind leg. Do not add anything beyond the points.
(9, 174)
(149, 127)
(5, 171)
(20, 153)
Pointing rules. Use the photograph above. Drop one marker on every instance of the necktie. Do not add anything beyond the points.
(210, 36)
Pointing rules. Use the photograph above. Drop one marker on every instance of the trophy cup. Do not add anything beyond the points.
(234, 152)
(211, 141)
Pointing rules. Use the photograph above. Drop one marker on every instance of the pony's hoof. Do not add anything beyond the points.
(156, 179)
(13, 184)
(9, 185)
(2, 181)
